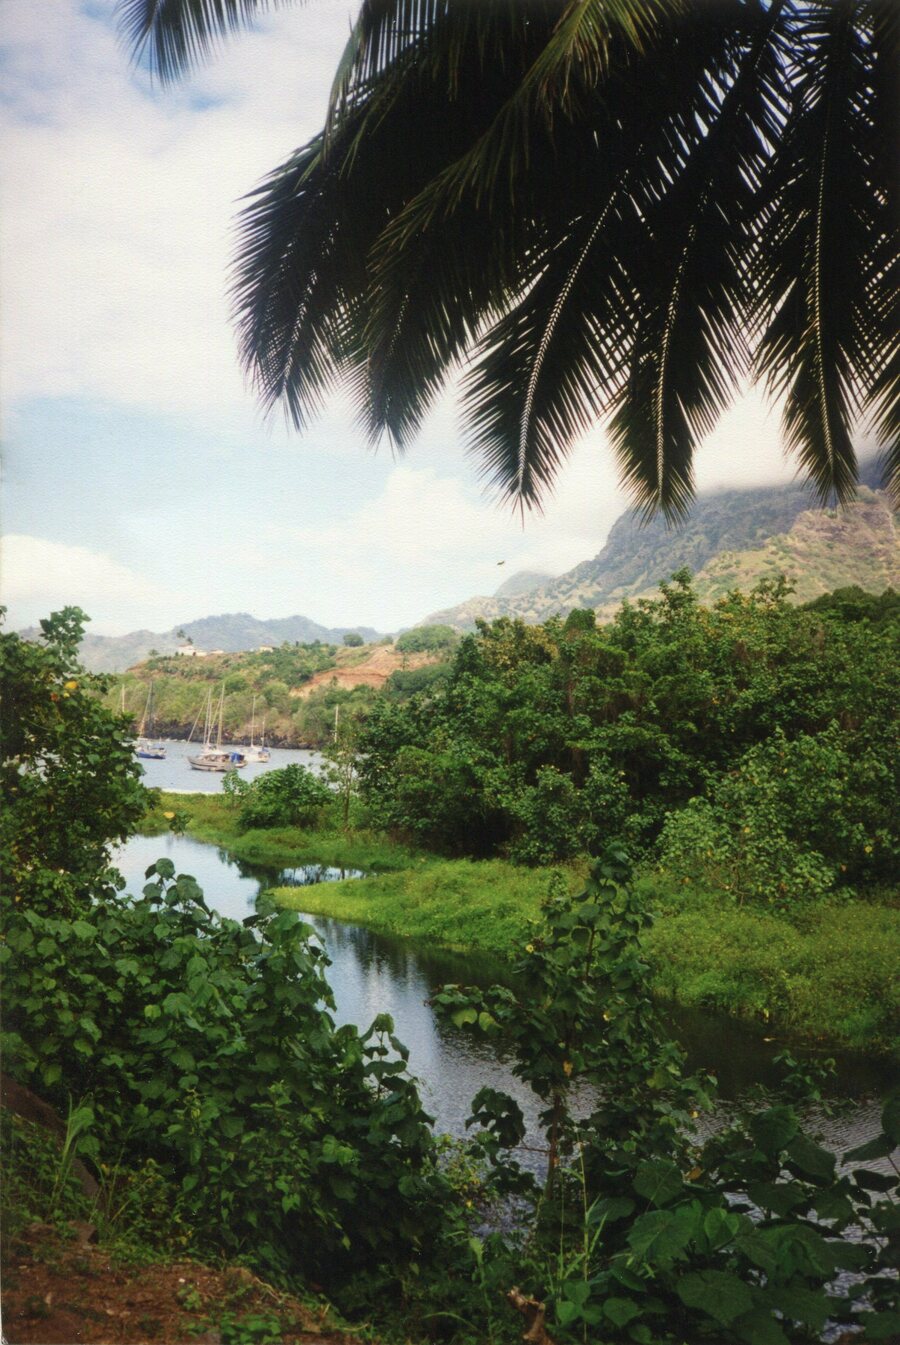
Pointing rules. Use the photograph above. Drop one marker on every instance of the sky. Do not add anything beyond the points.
(141, 481)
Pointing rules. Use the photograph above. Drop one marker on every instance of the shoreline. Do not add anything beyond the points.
(825, 983)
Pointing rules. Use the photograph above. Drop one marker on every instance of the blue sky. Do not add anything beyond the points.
(140, 480)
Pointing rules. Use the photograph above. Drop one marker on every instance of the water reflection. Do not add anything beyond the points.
(372, 974)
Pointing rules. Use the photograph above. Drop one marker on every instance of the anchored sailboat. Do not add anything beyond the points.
(254, 752)
(214, 757)
(147, 746)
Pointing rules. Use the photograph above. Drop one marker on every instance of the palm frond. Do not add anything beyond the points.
(818, 283)
(174, 35)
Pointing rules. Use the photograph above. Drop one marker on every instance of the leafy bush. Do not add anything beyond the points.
(208, 1046)
(632, 720)
(649, 1235)
(551, 817)
(426, 639)
(791, 821)
(353, 639)
(289, 797)
(69, 779)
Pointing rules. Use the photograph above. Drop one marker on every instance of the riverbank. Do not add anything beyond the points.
(827, 976)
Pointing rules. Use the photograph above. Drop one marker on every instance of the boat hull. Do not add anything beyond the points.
(151, 751)
(218, 761)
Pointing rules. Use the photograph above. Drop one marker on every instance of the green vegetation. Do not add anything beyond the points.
(199, 1057)
(829, 975)
(547, 741)
(213, 818)
(426, 639)
(69, 781)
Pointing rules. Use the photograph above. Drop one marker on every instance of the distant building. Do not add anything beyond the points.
(265, 648)
(190, 651)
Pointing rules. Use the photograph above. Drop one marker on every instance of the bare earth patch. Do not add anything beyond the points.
(58, 1291)
(372, 669)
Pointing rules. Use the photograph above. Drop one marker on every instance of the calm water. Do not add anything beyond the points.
(176, 773)
(373, 974)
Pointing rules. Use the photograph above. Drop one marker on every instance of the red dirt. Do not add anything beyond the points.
(372, 671)
(59, 1291)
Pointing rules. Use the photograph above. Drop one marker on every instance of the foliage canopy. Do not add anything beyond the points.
(603, 208)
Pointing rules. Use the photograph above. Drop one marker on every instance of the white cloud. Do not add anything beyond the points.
(118, 213)
(39, 577)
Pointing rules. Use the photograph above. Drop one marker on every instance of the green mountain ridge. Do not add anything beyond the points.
(731, 539)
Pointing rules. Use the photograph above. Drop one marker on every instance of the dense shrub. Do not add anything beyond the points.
(426, 639)
(208, 1046)
(69, 779)
(632, 720)
(792, 821)
(289, 797)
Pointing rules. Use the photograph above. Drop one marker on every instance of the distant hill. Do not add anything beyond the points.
(522, 582)
(731, 540)
(231, 632)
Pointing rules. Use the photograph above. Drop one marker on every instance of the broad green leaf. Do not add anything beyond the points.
(620, 1310)
(779, 1197)
(610, 1209)
(890, 1117)
(717, 1293)
(802, 1305)
(879, 1147)
(658, 1181)
(811, 1158)
(720, 1227)
(773, 1130)
(464, 1016)
(874, 1181)
(880, 1325)
(759, 1328)
(662, 1234)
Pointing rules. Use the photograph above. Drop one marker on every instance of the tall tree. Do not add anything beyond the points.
(597, 208)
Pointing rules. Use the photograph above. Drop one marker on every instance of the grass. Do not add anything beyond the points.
(466, 905)
(827, 975)
(210, 817)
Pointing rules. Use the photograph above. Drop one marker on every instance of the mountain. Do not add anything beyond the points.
(731, 539)
(230, 632)
(522, 582)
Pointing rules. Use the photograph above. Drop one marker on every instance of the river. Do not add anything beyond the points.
(372, 974)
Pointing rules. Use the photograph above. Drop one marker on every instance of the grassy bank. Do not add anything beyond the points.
(211, 817)
(827, 975)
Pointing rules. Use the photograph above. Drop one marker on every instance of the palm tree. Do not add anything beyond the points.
(595, 209)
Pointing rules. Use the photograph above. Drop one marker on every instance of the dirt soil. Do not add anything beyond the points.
(61, 1290)
(372, 670)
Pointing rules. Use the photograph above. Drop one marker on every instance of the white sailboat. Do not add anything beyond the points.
(214, 757)
(256, 752)
(146, 745)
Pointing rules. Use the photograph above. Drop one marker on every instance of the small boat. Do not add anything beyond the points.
(256, 753)
(214, 756)
(146, 745)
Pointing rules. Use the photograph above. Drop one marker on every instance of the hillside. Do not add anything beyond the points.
(731, 540)
(291, 692)
(229, 633)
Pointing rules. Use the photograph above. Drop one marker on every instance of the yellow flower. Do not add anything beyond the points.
(71, 685)
(169, 816)
(529, 948)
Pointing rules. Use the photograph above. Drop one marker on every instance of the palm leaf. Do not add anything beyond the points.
(174, 35)
(819, 285)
